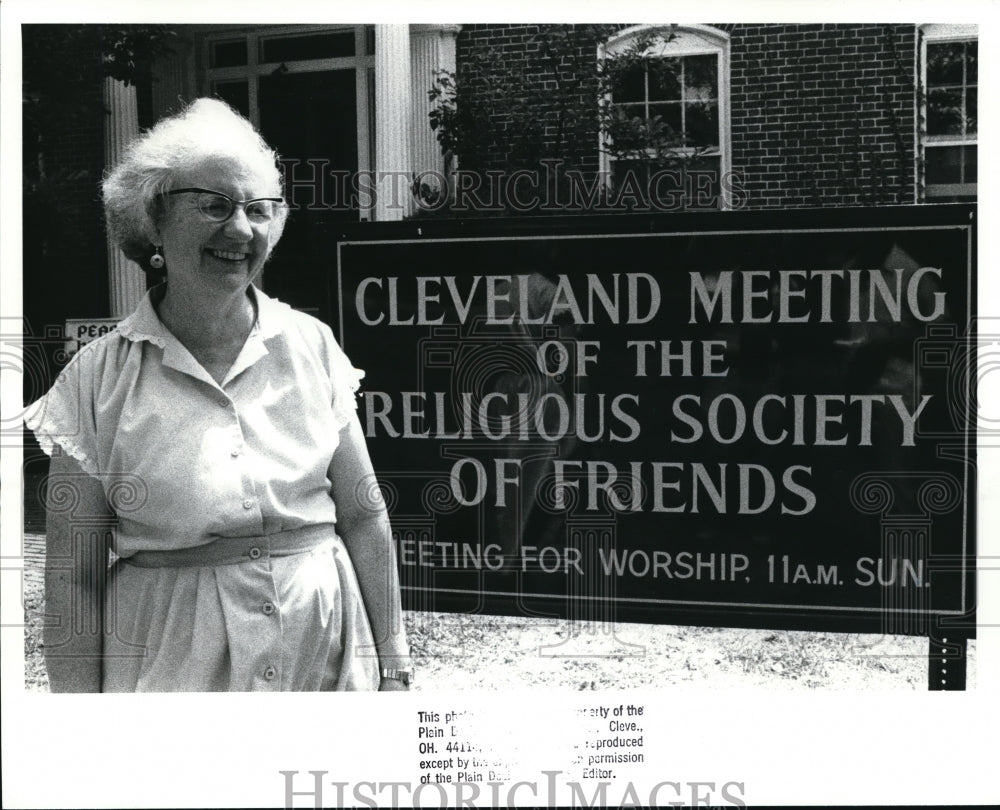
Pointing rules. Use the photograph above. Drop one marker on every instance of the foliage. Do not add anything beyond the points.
(628, 136)
(63, 64)
(128, 52)
(63, 70)
(555, 103)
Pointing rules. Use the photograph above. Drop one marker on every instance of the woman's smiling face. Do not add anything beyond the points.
(209, 254)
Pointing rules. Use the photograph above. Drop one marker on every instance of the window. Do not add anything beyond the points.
(668, 127)
(246, 69)
(950, 112)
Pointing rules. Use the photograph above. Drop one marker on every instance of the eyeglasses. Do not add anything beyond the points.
(219, 207)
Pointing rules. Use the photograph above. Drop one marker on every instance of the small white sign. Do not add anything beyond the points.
(80, 331)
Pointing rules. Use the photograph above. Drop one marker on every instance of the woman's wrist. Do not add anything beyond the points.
(392, 685)
(402, 674)
(394, 655)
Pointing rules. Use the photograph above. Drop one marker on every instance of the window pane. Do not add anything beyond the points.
(670, 115)
(971, 111)
(953, 167)
(679, 184)
(701, 77)
(972, 62)
(702, 182)
(236, 94)
(307, 46)
(630, 85)
(369, 40)
(702, 124)
(372, 119)
(665, 79)
(636, 172)
(228, 54)
(944, 164)
(944, 112)
(944, 63)
(971, 164)
(628, 131)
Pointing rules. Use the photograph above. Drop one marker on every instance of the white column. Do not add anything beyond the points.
(126, 281)
(432, 49)
(392, 122)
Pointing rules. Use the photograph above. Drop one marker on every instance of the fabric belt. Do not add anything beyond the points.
(234, 550)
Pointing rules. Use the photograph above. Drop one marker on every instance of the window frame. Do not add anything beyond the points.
(362, 62)
(688, 40)
(937, 34)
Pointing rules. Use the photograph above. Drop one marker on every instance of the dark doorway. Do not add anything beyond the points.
(311, 119)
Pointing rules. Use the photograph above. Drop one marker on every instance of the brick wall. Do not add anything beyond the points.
(821, 115)
(489, 54)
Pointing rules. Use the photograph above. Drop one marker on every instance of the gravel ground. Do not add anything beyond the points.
(499, 652)
(476, 652)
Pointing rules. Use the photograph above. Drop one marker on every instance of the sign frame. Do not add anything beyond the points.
(946, 624)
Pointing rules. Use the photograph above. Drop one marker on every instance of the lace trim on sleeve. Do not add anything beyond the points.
(49, 435)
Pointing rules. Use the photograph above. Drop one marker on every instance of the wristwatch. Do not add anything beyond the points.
(404, 676)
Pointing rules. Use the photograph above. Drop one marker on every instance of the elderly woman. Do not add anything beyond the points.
(212, 442)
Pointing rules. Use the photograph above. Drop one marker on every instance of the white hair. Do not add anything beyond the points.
(134, 189)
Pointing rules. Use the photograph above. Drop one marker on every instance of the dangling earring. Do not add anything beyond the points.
(156, 261)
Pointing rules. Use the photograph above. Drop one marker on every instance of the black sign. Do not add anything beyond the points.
(751, 419)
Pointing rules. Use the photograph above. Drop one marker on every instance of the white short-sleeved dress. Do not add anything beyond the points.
(231, 576)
